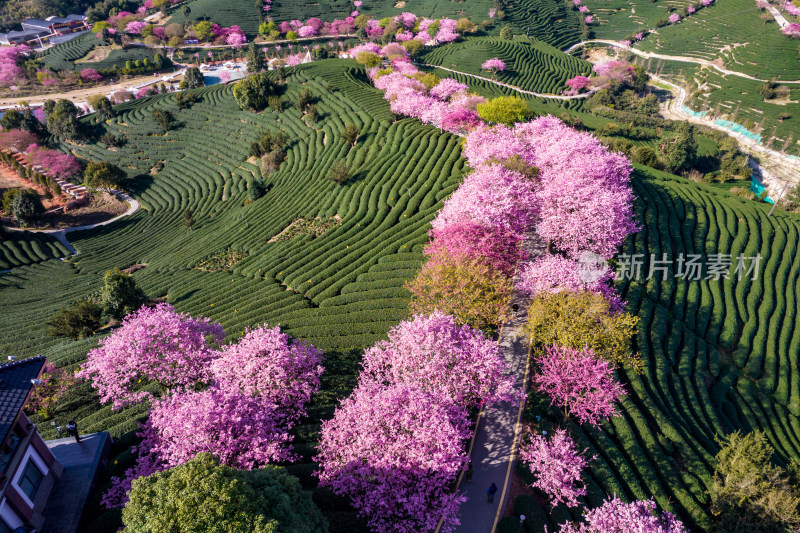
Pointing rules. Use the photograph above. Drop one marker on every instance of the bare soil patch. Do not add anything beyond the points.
(99, 208)
(9, 179)
(98, 54)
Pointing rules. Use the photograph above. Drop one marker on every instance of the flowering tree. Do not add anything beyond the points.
(492, 196)
(580, 383)
(792, 30)
(17, 140)
(53, 162)
(90, 74)
(495, 65)
(585, 195)
(394, 452)
(554, 273)
(578, 82)
(616, 516)
(55, 382)
(264, 363)
(674, 18)
(447, 87)
(557, 465)
(437, 355)
(153, 345)
(135, 27)
(465, 238)
(241, 430)
(470, 290)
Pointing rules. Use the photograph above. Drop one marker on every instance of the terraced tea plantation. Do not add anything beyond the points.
(341, 290)
(531, 64)
(62, 56)
(732, 32)
(552, 21)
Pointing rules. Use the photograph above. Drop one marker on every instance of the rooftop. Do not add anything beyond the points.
(15, 384)
(81, 462)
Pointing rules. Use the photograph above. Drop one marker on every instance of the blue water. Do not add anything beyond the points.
(757, 188)
(211, 80)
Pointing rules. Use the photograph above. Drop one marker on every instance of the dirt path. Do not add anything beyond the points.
(81, 95)
(682, 59)
(61, 234)
(775, 168)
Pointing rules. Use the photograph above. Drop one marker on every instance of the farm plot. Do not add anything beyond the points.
(737, 100)
(63, 56)
(329, 9)
(733, 33)
(620, 19)
(531, 64)
(243, 13)
(25, 248)
(341, 290)
(552, 21)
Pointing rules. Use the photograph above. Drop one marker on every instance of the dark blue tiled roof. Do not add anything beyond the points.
(15, 384)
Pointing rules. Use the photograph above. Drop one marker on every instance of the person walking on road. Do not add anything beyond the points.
(470, 470)
(72, 430)
(491, 491)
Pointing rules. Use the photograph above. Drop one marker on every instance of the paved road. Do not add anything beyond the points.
(61, 234)
(494, 449)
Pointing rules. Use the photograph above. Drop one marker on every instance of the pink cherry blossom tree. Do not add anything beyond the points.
(616, 516)
(436, 355)
(465, 238)
(53, 162)
(674, 18)
(394, 452)
(495, 65)
(241, 430)
(553, 273)
(17, 140)
(90, 74)
(557, 465)
(153, 345)
(265, 363)
(578, 82)
(135, 27)
(492, 196)
(579, 382)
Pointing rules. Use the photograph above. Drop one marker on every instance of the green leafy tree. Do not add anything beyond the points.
(203, 30)
(253, 92)
(749, 494)
(504, 110)
(78, 321)
(187, 218)
(579, 319)
(120, 295)
(102, 106)
(267, 500)
(26, 207)
(104, 174)
(186, 10)
(255, 59)
(185, 99)
(470, 290)
(192, 79)
(304, 99)
(368, 59)
(681, 151)
(61, 119)
(14, 119)
(164, 118)
(339, 172)
(506, 33)
(413, 47)
(350, 133)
